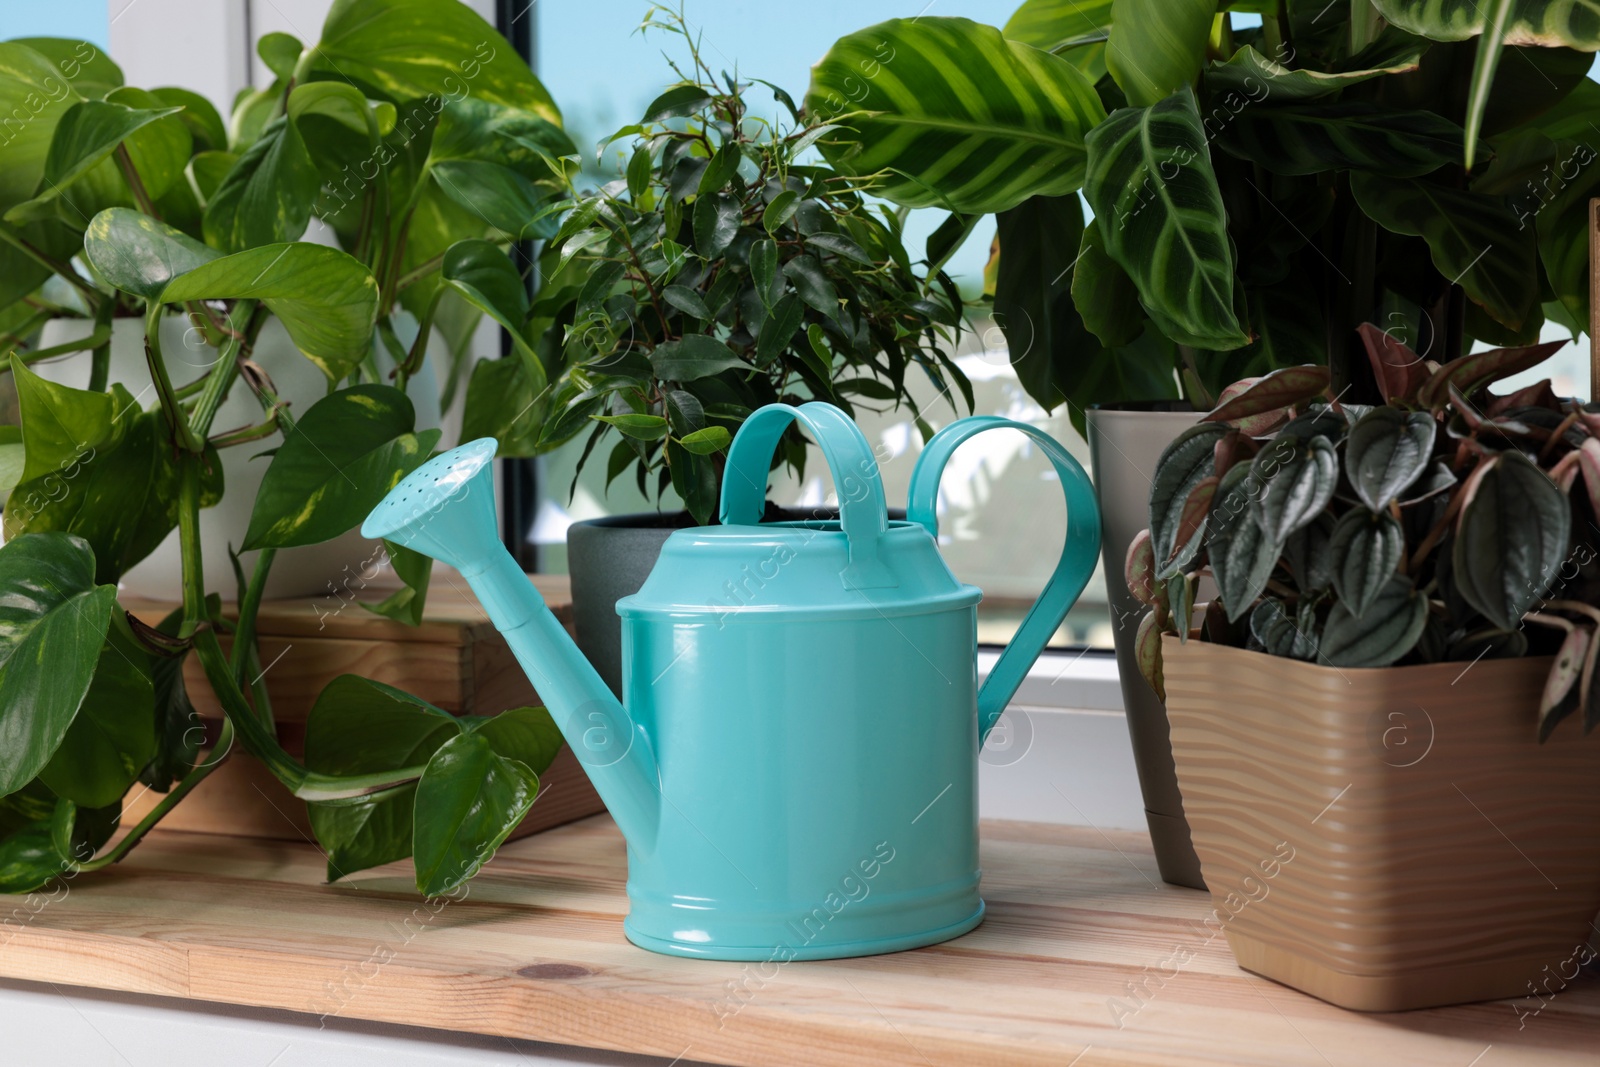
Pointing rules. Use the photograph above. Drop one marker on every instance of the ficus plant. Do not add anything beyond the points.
(1446, 523)
(1256, 192)
(411, 129)
(721, 270)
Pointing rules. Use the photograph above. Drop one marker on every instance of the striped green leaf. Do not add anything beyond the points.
(1075, 30)
(1157, 46)
(1474, 240)
(946, 112)
(1545, 23)
(1347, 135)
(1157, 203)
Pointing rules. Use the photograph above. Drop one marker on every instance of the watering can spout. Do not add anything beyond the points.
(445, 509)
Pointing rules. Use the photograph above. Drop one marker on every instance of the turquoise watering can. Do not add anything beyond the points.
(794, 763)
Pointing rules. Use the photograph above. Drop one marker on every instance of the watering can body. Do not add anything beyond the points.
(794, 761)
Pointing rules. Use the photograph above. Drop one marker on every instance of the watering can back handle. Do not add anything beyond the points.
(1072, 572)
(863, 512)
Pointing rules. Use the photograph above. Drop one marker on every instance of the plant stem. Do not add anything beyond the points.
(220, 380)
(100, 360)
(193, 569)
(196, 775)
(94, 340)
(417, 273)
(141, 195)
(168, 399)
(244, 637)
(245, 435)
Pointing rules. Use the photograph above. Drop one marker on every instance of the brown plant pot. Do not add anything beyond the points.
(1391, 838)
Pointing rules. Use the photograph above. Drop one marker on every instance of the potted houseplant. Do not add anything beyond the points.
(1257, 193)
(1389, 686)
(414, 131)
(722, 271)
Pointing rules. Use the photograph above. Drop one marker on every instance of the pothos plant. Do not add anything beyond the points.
(1257, 192)
(410, 129)
(722, 270)
(1445, 523)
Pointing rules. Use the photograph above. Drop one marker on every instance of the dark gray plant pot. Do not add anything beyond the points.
(1124, 445)
(610, 558)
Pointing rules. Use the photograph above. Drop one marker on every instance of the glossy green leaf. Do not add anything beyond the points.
(1306, 551)
(1298, 478)
(85, 66)
(694, 357)
(113, 736)
(1184, 464)
(811, 283)
(946, 112)
(1242, 555)
(280, 52)
(35, 95)
(679, 101)
(1156, 47)
(1365, 549)
(504, 403)
(205, 127)
(99, 467)
(1386, 632)
(1474, 240)
(1511, 538)
(477, 129)
(694, 479)
(468, 802)
(53, 621)
(359, 726)
(1059, 25)
(639, 427)
(327, 300)
(705, 442)
(528, 735)
(1347, 135)
(1282, 634)
(499, 195)
(1257, 78)
(415, 570)
(489, 281)
(1157, 204)
(179, 730)
(267, 197)
(409, 49)
(87, 134)
(346, 452)
(138, 254)
(716, 222)
(12, 457)
(1032, 301)
(29, 859)
(1388, 449)
(159, 150)
(337, 127)
(1102, 292)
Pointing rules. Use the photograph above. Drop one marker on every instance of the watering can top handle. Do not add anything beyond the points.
(863, 511)
(1078, 555)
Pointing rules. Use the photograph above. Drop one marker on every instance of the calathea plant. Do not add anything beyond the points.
(412, 128)
(1257, 192)
(1446, 523)
(719, 273)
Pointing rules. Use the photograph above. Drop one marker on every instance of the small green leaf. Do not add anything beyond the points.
(1511, 538)
(415, 570)
(1365, 549)
(1387, 451)
(694, 479)
(780, 211)
(720, 171)
(342, 457)
(779, 329)
(1299, 477)
(687, 301)
(280, 52)
(695, 356)
(113, 736)
(138, 254)
(706, 441)
(639, 165)
(503, 403)
(1387, 631)
(676, 103)
(499, 195)
(266, 197)
(467, 803)
(87, 135)
(639, 427)
(1184, 464)
(528, 735)
(1104, 295)
(764, 271)
(809, 280)
(716, 222)
(1157, 46)
(839, 245)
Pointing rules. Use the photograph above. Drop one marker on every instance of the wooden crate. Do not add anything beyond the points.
(455, 659)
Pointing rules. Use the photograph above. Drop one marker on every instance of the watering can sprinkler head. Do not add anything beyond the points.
(444, 509)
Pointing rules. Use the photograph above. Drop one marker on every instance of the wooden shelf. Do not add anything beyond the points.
(534, 949)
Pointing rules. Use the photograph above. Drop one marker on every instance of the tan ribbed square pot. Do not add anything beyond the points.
(1388, 838)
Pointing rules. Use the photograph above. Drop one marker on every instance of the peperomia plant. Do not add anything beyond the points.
(1443, 524)
(411, 129)
(1257, 191)
(722, 270)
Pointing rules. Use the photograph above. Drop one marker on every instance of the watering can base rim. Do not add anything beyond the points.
(833, 951)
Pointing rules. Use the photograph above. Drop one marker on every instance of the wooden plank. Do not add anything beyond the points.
(534, 949)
